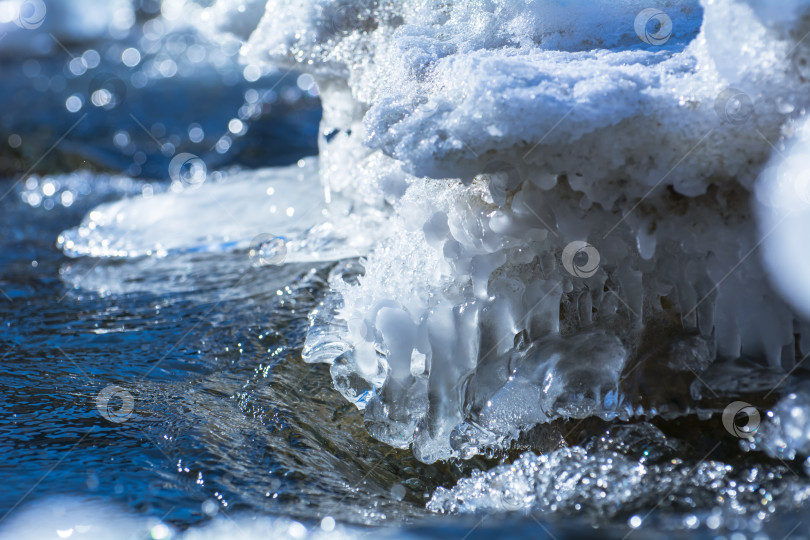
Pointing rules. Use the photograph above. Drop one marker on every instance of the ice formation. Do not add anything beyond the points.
(567, 196)
(503, 133)
(628, 468)
(277, 215)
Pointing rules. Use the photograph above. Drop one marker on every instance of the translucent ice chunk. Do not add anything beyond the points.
(278, 215)
(627, 468)
(575, 376)
(785, 430)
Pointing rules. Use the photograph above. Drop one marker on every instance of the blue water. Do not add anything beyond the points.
(226, 417)
(226, 420)
(224, 409)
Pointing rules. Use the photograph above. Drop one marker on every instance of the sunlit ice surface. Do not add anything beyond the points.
(333, 269)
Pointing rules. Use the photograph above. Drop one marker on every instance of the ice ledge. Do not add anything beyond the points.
(536, 139)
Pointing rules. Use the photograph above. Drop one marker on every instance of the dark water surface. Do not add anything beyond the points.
(224, 409)
(172, 388)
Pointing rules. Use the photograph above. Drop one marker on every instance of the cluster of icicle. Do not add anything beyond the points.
(572, 193)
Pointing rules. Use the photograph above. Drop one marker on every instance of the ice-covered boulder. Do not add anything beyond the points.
(569, 186)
